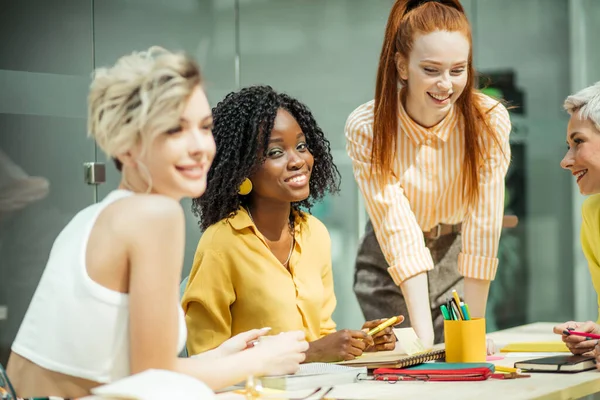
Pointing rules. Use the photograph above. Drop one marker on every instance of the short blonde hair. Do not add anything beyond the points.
(586, 103)
(138, 98)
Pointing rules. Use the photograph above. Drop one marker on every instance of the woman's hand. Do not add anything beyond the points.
(597, 354)
(491, 346)
(240, 342)
(339, 346)
(281, 354)
(384, 340)
(578, 344)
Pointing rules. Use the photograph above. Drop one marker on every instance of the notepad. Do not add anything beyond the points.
(532, 347)
(313, 375)
(396, 359)
(155, 384)
(558, 364)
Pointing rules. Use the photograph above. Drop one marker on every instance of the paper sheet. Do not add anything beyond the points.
(408, 342)
(155, 385)
(318, 368)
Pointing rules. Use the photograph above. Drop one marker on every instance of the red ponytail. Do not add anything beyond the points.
(386, 100)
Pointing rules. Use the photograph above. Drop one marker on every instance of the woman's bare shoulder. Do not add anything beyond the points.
(145, 214)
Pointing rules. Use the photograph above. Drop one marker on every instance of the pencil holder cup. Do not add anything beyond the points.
(465, 340)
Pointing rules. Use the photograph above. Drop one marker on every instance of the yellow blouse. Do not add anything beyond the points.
(590, 240)
(237, 284)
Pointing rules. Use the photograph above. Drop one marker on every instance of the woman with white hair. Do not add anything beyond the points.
(583, 161)
(107, 305)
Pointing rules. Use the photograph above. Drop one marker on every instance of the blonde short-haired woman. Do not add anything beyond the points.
(107, 305)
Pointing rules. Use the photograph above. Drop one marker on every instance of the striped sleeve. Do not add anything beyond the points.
(483, 224)
(394, 223)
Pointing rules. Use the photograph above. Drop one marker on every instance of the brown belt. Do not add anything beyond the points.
(509, 221)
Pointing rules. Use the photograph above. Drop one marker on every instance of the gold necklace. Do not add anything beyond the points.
(291, 247)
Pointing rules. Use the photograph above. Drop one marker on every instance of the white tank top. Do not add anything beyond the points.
(74, 325)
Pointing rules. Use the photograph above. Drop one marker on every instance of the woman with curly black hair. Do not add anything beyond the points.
(243, 117)
(263, 261)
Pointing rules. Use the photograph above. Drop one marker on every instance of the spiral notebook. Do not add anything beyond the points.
(394, 359)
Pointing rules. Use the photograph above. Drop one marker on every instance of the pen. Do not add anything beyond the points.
(457, 300)
(500, 368)
(450, 310)
(455, 308)
(445, 312)
(463, 308)
(588, 335)
(382, 326)
(468, 312)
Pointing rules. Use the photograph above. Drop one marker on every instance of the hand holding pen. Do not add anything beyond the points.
(581, 342)
(381, 332)
(348, 344)
(342, 345)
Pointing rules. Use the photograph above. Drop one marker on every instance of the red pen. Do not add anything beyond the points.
(584, 334)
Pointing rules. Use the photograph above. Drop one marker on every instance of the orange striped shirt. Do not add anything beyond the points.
(425, 187)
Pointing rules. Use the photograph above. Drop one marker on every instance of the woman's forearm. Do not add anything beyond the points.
(221, 372)
(208, 355)
(476, 294)
(416, 295)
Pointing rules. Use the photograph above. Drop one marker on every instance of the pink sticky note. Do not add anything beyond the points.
(494, 358)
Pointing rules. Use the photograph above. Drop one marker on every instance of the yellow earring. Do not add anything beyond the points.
(245, 187)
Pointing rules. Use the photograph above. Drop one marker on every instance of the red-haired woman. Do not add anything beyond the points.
(430, 154)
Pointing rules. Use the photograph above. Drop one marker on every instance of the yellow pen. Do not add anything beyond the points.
(382, 326)
(500, 368)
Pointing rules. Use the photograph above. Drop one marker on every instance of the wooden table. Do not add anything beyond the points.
(538, 386)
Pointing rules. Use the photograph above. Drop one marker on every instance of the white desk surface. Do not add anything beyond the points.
(538, 386)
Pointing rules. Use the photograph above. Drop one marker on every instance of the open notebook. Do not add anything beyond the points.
(396, 358)
(313, 375)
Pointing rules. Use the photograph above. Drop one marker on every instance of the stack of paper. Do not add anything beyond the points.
(313, 375)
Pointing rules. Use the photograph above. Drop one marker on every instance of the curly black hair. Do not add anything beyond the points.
(243, 122)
